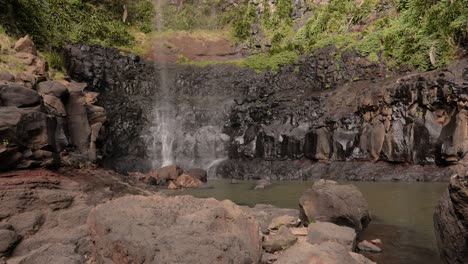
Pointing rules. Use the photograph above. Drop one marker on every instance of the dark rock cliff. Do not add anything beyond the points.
(323, 108)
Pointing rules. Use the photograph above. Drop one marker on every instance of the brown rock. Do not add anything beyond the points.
(77, 119)
(26, 45)
(198, 173)
(5, 76)
(29, 80)
(54, 105)
(279, 241)
(320, 232)
(27, 223)
(54, 88)
(166, 173)
(172, 186)
(284, 220)
(368, 247)
(327, 201)
(186, 181)
(451, 222)
(178, 229)
(57, 199)
(18, 95)
(36, 130)
(8, 240)
(305, 253)
(96, 114)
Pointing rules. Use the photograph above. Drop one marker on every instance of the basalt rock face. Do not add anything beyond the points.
(45, 123)
(322, 108)
(450, 222)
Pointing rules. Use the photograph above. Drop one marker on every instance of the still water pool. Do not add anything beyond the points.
(402, 212)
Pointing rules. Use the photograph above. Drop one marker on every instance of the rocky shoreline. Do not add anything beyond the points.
(85, 216)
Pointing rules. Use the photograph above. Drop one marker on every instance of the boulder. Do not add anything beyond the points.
(279, 241)
(262, 184)
(18, 95)
(26, 45)
(284, 220)
(198, 173)
(265, 213)
(5, 76)
(327, 201)
(180, 229)
(28, 79)
(166, 173)
(186, 181)
(451, 222)
(320, 232)
(268, 258)
(172, 186)
(367, 246)
(325, 253)
(54, 88)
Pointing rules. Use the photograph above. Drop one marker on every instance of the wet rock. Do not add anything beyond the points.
(320, 232)
(327, 201)
(327, 252)
(187, 181)
(184, 230)
(262, 184)
(26, 45)
(451, 222)
(198, 173)
(166, 173)
(284, 220)
(18, 95)
(54, 88)
(368, 247)
(279, 241)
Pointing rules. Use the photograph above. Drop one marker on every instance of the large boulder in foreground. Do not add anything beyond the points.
(183, 229)
(451, 222)
(327, 201)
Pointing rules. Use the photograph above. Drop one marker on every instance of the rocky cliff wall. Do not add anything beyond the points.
(323, 108)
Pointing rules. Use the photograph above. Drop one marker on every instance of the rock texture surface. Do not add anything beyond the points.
(320, 109)
(328, 201)
(451, 222)
(45, 123)
(173, 230)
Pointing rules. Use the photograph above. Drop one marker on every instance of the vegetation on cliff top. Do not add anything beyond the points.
(423, 34)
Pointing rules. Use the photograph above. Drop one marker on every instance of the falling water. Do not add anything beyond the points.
(164, 113)
(186, 127)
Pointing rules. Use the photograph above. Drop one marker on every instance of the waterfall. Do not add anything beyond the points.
(164, 112)
(186, 127)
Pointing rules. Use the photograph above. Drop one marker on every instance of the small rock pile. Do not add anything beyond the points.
(43, 122)
(173, 177)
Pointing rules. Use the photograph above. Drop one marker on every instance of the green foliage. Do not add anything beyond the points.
(272, 62)
(55, 60)
(241, 20)
(52, 23)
